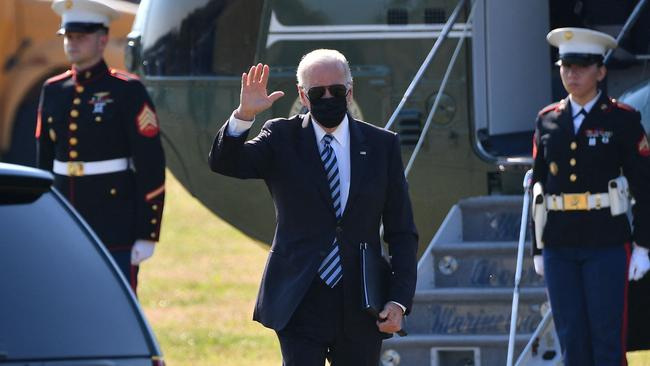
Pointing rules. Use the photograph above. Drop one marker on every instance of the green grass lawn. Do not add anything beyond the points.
(199, 289)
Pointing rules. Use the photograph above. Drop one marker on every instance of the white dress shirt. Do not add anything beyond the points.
(340, 143)
(575, 111)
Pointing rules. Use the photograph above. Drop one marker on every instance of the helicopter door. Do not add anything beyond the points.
(511, 74)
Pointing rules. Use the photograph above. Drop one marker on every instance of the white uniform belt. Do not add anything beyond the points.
(577, 201)
(81, 168)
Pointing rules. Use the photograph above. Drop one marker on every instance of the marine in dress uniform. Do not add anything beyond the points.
(97, 131)
(581, 144)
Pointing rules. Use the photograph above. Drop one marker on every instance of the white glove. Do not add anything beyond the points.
(142, 250)
(639, 263)
(538, 262)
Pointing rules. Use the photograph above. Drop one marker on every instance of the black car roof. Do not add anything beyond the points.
(23, 179)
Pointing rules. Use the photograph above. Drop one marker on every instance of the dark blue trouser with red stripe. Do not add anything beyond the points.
(588, 291)
(123, 259)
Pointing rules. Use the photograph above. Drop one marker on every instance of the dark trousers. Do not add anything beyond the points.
(587, 288)
(123, 259)
(315, 332)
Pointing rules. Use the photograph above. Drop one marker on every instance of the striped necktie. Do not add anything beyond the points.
(331, 270)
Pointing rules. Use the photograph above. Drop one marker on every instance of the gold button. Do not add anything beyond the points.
(79, 89)
(88, 74)
(113, 191)
(73, 154)
(74, 113)
(574, 145)
(154, 207)
(73, 141)
(73, 126)
(154, 221)
(98, 119)
(153, 235)
(572, 162)
(76, 101)
(50, 119)
(52, 135)
(573, 177)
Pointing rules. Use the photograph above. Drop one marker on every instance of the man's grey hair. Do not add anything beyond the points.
(322, 56)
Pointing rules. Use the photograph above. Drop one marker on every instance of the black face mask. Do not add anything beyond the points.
(329, 112)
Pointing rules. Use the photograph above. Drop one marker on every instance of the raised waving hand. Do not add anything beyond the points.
(254, 97)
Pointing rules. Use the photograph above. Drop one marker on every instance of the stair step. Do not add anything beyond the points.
(473, 294)
(436, 350)
(496, 247)
(491, 218)
(473, 311)
(490, 264)
(465, 340)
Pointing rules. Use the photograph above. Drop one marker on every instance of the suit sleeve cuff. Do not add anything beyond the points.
(401, 306)
(236, 127)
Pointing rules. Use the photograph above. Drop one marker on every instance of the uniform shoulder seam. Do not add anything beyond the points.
(549, 108)
(123, 75)
(58, 77)
(623, 106)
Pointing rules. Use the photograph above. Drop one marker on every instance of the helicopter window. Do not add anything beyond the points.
(201, 37)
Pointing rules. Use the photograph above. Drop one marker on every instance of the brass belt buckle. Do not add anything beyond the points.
(75, 169)
(575, 201)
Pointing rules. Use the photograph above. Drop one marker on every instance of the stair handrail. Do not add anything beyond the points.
(631, 20)
(416, 79)
(520, 260)
(444, 33)
(441, 89)
(539, 332)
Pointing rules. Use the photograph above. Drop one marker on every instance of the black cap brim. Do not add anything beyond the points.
(79, 27)
(582, 59)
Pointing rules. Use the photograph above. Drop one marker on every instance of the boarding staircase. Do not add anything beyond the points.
(462, 306)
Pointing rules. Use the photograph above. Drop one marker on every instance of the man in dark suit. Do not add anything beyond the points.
(333, 180)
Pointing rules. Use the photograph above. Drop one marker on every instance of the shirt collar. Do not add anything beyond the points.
(90, 73)
(341, 134)
(575, 107)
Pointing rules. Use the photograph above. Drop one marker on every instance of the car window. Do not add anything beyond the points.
(59, 298)
(639, 98)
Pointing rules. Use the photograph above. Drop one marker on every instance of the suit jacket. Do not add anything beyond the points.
(286, 156)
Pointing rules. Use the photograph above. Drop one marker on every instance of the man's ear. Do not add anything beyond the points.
(303, 98)
(349, 97)
(103, 40)
(602, 72)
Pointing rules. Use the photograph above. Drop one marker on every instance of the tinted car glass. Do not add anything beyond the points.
(59, 297)
(639, 98)
(200, 37)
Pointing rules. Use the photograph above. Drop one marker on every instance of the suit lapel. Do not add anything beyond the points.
(596, 110)
(565, 119)
(310, 156)
(358, 161)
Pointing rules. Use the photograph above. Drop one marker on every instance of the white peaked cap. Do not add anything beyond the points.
(580, 41)
(84, 11)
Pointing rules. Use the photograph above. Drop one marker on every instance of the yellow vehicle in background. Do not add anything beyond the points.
(30, 53)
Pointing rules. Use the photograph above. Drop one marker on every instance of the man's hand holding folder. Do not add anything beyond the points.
(375, 280)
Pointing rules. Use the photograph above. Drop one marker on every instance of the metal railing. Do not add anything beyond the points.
(520, 260)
